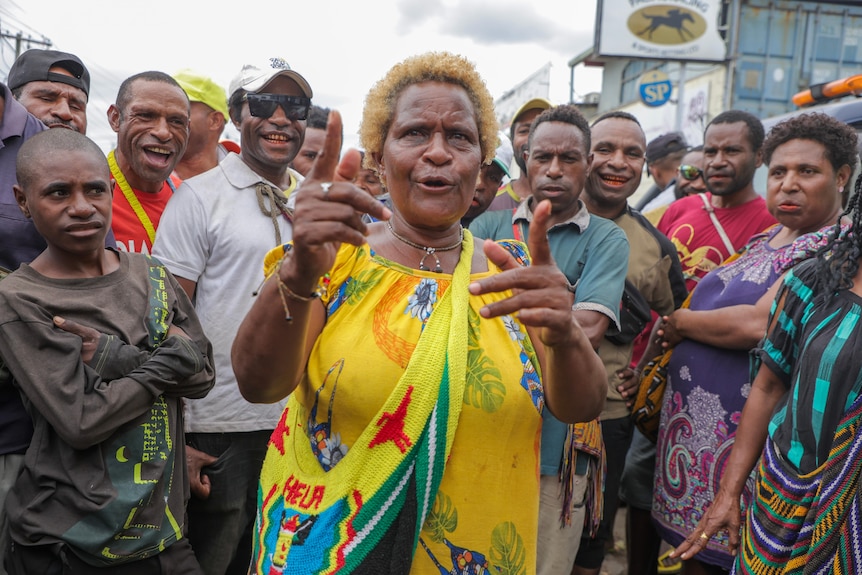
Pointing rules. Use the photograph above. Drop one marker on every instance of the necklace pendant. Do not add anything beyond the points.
(422, 267)
(438, 268)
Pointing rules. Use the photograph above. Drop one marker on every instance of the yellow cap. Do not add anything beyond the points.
(202, 89)
(534, 104)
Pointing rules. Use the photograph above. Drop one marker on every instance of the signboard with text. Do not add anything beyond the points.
(660, 29)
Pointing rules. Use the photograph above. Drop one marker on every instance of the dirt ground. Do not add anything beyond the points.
(615, 561)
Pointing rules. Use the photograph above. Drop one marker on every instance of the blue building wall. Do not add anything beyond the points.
(783, 47)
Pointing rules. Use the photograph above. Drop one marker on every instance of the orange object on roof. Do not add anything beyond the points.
(835, 89)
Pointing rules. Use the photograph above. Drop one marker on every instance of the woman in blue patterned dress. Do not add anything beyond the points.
(810, 160)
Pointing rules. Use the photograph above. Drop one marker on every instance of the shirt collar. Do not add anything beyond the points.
(580, 220)
(241, 176)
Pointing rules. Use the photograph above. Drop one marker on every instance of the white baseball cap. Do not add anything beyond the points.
(254, 77)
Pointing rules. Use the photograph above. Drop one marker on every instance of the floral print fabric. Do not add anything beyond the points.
(486, 512)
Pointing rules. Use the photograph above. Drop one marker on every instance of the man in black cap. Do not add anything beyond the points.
(53, 86)
(663, 155)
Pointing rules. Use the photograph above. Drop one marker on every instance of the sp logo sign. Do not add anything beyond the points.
(655, 88)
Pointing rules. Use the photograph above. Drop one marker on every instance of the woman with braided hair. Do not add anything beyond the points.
(802, 418)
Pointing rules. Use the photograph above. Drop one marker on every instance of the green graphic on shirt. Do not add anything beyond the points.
(361, 285)
(507, 550)
(137, 522)
(442, 519)
(484, 388)
(157, 318)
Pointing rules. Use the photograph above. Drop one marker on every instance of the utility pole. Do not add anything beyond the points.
(20, 41)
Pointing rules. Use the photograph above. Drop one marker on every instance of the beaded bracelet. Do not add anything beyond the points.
(285, 292)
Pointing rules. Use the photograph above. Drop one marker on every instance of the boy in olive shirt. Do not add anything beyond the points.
(102, 345)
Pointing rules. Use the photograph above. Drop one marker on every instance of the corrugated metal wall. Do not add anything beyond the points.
(783, 47)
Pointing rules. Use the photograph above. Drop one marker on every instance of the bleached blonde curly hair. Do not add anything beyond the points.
(428, 67)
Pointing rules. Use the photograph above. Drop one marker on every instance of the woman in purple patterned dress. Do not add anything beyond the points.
(810, 164)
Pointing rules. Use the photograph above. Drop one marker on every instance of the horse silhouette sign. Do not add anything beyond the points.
(660, 29)
(667, 25)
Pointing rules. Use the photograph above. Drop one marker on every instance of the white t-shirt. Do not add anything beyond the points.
(213, 233)
(665, 198)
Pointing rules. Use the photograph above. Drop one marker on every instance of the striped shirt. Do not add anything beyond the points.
(815, 348)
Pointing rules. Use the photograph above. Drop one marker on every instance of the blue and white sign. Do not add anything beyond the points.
(655, 88)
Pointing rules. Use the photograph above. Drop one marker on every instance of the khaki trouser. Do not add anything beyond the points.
(558, 545)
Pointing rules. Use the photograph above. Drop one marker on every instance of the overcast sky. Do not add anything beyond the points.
(341, 46)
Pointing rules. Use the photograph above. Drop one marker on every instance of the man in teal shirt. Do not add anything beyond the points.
(593, 254)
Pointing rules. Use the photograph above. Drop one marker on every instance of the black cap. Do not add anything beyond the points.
(665, 145)
(34, 65)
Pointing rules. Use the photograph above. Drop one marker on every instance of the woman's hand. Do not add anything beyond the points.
(542, 297)
(724, 513)
(328, 211)
(630, 380)
(543, 300)
(669, 332)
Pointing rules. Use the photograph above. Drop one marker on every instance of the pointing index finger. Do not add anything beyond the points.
(325, 165)
(540, 250)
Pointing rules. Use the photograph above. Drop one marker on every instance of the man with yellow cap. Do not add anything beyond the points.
(208, 117)
(510, 196)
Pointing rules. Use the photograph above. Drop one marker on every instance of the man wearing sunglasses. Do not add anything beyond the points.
(689, 181)
(213, 237)
(690, 173)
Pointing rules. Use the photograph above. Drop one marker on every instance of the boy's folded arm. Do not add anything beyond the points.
(82, 406)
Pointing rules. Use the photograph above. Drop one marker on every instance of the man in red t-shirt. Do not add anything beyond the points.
(731, 153)
(151, 119)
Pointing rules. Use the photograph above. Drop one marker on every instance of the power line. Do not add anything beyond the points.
(21, 43)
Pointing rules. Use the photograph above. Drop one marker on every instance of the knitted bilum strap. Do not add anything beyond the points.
(315, 522)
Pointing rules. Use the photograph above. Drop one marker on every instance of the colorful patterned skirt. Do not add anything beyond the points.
(809, 523)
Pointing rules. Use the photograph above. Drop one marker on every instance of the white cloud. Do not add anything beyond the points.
(341, 46)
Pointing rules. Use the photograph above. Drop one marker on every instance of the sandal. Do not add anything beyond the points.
(668, 564)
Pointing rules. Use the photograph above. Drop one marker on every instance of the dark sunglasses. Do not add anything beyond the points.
(264, 105)
(690, 172)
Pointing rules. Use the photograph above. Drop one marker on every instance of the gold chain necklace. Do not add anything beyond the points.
(428, 250)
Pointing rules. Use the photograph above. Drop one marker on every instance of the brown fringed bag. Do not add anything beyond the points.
(646, 410)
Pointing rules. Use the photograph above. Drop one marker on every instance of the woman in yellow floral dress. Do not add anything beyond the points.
(410, 443)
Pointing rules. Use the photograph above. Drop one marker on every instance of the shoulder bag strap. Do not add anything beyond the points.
(707, 205)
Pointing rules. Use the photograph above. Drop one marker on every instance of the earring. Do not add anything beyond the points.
(840, 189)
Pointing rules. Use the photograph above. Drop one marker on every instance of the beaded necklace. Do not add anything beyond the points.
(429, 251)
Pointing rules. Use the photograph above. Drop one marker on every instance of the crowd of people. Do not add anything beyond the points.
(277, 356)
